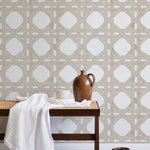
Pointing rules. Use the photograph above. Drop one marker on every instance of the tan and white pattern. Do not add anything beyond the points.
(45, 43)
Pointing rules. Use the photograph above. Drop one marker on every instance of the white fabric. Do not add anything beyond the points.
(68, 102)
(28, 126)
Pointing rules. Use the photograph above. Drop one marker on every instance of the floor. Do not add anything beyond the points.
(89, 146)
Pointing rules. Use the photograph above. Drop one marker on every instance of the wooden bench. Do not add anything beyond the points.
(93, 110)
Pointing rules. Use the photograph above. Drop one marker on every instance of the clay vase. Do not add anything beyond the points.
(82, 86)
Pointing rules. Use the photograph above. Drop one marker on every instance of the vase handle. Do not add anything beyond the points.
(93, 81)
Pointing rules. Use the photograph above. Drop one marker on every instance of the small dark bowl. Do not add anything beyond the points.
(121, 148)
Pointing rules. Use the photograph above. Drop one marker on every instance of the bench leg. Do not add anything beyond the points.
(96, 132)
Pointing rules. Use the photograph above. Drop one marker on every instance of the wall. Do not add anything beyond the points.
(45, 43)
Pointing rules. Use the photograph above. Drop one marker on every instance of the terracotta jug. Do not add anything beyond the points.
(82, 86)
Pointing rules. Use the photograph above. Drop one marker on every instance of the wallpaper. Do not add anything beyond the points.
(45, 43)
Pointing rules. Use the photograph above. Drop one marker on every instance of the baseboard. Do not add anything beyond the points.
(90, 146)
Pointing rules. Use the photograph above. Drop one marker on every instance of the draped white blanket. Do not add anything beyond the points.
(28, 126)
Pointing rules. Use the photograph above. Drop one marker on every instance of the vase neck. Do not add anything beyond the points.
(82, 72)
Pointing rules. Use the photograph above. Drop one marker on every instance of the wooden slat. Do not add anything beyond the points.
(67, 136)
(96, 132)
(73, 136)
(2, 136)
(74, 112)
(4, 112)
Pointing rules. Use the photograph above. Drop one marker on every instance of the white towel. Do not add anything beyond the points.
(68, 102)
(28, 126)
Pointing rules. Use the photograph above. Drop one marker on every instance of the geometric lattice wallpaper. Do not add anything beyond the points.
(45, 43)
